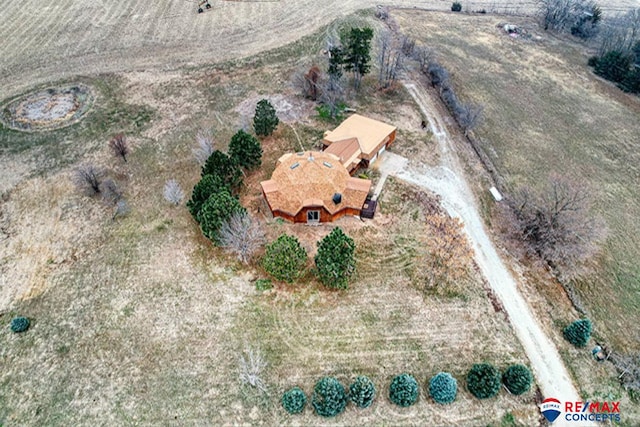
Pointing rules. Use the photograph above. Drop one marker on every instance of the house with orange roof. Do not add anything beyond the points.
(313, 187)
(359, 141)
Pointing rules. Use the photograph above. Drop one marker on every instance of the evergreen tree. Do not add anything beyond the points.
(19, 324)
(483, 380)
(285, 258)
(362, 392)
(221, 165)
(443, 388)
(329, 397)
(207, 185)
(631, 82)
(294, 400)
(357, 52)
(217, 210)
(336, 62)
(578, 333)
(614, 66)
(245, 150)
(265, 119)
(335, 260)
(517, 379)
(403, 390)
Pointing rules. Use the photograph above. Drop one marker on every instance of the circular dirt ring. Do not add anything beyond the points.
(47, 109)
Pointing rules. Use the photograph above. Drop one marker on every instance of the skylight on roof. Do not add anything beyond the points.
(295, 165)
(327, 164)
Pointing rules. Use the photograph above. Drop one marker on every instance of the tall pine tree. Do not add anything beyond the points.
(335, 259)
(265, 119)
(245, 150)
(357, 56)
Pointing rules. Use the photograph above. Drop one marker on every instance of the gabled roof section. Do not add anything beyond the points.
(348, 150)
(368, 132)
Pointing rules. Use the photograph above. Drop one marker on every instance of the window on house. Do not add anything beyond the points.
(313, 216)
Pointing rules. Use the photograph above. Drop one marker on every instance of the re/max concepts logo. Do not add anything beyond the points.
(551, 408)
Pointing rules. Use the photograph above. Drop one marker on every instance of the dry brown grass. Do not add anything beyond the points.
(44, 43)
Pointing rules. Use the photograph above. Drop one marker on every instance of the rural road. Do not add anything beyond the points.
(447, 180)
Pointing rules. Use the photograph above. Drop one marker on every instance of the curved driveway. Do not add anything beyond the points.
(447, 180)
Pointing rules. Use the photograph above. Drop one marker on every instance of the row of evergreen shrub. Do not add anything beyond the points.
(329, 397)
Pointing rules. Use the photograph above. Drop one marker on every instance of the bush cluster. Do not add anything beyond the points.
(213, 199)
(620, 68)
(403, 390)
(578, 333)
(329, 397)
(20, 324)
(483, 380)
(294, 400)
(362, 392)
(517, 379)
(285, 259)
(468, 116)
(443, 388)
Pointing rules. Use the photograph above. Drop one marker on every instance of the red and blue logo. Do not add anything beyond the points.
(550, 408)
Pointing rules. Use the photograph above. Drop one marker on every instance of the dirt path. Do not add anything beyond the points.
(447, 180)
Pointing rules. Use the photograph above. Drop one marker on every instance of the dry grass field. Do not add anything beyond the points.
(545, 113)
(141, 321)
(44, 42)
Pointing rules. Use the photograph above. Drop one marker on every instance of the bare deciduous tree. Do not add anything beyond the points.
(438, 74)
(204, 139)
(382, 12)
(87, 178)
(557, 226)
(620, 32)
(469, 116)
(408, 46)
(446, 255)
(110, 191)
(172, 192)
(577, 16)
(311, 79)
(252, 365)
(119, 146)
(424, 56)
(629, 368)
(332, 94)
(242, 236)
(389, 59)
(122, 209)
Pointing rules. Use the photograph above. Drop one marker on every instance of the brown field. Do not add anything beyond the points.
(141, 321)
(44, 42)
(545, 112)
